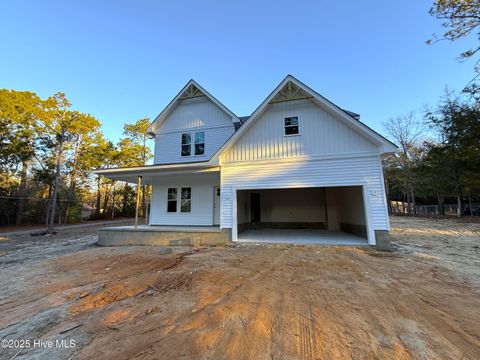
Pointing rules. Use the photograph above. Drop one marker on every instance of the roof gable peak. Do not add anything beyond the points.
(290, 91)
(191, 90)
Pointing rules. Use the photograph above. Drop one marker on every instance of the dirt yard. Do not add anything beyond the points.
(420, 301)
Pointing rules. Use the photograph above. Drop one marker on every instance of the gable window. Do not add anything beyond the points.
(186, 144)
(291, 125)
(199, 143)
(186, 199)
(172, 200)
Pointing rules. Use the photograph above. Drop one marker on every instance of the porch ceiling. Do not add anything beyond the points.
(152, 172)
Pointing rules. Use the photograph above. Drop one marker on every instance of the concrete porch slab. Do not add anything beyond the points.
(300, 237)
(163, 235)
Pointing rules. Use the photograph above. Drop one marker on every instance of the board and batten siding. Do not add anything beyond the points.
(196, 114)
(320, 134)
(299, 173)
(202, 199)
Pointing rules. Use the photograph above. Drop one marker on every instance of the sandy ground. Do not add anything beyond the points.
(420, 301)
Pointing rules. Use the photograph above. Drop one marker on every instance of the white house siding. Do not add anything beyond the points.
(202, 199)
(298, 173)
(320, 134)
(197, 114)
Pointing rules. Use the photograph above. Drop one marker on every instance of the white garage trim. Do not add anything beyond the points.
(363, 185)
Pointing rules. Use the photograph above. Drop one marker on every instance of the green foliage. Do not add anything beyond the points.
(446, 168)
(47, 154)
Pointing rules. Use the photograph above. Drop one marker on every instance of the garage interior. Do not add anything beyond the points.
(322, 215)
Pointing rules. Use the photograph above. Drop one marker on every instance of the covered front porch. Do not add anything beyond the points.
(184, 207)
(182, 194)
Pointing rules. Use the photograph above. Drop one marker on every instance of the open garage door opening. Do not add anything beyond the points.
(330, 215)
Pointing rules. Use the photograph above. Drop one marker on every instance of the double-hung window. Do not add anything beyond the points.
(172, 200)
(186, 144)
(198, 142)
(291, 125)
(185, 200)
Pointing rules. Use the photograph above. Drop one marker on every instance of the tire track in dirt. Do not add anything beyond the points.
(426, 311)
(438, 321)
(240, 287)
(307, 332)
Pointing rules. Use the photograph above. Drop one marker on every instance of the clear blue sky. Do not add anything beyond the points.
(123, 60)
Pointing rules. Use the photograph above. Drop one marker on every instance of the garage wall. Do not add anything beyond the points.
(298, 173)
(243, 207)
(293, 205)
(351, 205)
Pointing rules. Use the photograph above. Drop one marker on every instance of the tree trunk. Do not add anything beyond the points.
(105, 199)
(143, 200)
(125, 200)
(113, 204)
(414, 207)
(99, 195)
(409, 209)
(47, 215)
(21, 193)
(470, 204)
(441, 210)
(73, 176)
(459, 205)
(57, 176)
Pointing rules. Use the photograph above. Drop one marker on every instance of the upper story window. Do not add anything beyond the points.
(186, 144)
(291, 125)
(199, 145)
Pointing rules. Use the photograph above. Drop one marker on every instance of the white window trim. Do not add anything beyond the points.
(185, 212)
(285, 126)
(178, 200)
(192, 143)
(171, 200)
(182, 144)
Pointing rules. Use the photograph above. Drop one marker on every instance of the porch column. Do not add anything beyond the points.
(138, 200)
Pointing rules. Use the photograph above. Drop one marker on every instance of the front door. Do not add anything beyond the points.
(216, 205)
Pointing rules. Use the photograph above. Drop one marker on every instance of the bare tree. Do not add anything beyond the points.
(406, 131)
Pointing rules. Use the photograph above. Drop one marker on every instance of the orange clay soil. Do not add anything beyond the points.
(269, 302)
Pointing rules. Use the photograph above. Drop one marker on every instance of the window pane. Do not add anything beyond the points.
(186, 150)
(172, 194)
(186, 193)
(186, 206)
(291, 130)
(199, 149)
(172, 206)
(186, 139)
(290, 121)
(199, 137)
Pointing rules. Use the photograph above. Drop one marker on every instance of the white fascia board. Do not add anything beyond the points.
(174, 103)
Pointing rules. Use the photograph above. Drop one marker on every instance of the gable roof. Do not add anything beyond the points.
(292, 89)
(191, 90)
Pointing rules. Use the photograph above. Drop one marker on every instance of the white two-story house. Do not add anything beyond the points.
(298, 168)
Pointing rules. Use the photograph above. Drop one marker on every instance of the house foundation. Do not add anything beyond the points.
(166, 236)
